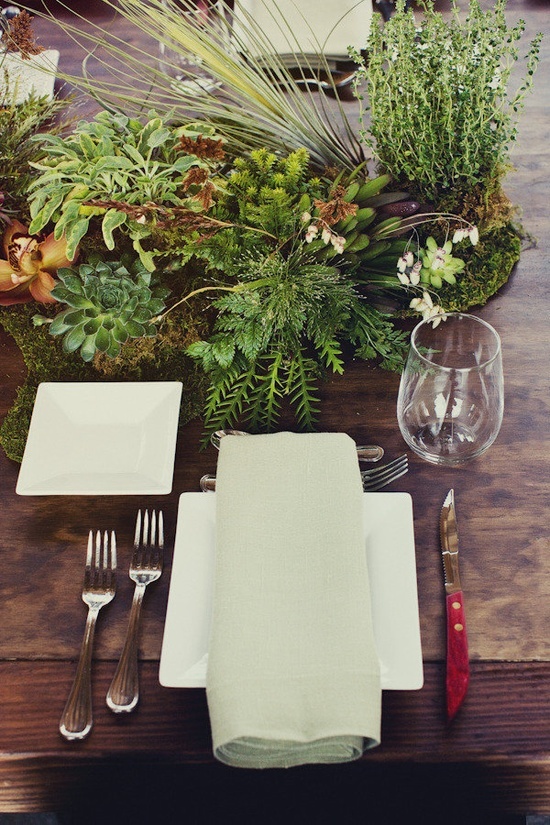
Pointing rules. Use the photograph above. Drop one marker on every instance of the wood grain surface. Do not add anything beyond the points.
(497, 751)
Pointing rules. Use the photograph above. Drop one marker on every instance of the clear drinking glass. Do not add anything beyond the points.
(451, 396)
(185, 68)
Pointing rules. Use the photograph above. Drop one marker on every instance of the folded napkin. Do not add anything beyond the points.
(293, 674)
(304, 26)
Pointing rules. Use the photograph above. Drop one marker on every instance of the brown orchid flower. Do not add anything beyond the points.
(28, 269)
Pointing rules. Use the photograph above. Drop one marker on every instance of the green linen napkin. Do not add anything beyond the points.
(293, 674)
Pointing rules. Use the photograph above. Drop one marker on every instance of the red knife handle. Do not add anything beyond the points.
(458, 665)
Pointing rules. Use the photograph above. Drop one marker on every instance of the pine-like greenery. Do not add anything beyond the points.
(288, 306)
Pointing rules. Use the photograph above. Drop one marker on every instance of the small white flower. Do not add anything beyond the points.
(404, 278)
(439, 258)
(306, 217)
(460, 234)
(474, 235)
(405, 261)
(326, 235)
(338, 243)
(312, 232)
(429, 311)
(415, 273)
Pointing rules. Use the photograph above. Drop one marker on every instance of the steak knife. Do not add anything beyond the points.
(457, 665)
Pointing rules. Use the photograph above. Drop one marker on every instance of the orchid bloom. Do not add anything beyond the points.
(27, 271)
(429, 311)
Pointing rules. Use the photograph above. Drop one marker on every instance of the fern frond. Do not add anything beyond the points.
(302, 387)
(330, 354)
(267, 393)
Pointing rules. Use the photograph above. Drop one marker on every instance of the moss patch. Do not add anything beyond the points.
(488, 267)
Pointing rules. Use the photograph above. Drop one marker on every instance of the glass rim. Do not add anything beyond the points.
(470, 317)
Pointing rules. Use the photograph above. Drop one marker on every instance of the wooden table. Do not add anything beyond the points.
(494, 759)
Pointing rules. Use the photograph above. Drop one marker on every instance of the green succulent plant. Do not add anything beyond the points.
(111, 170)
(107, 304)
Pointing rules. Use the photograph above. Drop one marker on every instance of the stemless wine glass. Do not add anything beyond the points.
(202, 19)
(451, 396)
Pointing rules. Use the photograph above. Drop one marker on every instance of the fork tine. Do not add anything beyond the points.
(105, 550)
(137, 533)
(145, 532)
(161, 530)
(373, 486)
(378, 472)
(113, 549)
(90, 550)
(386, 475)
(153, 538)
(97, 549)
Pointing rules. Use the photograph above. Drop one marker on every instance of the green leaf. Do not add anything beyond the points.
(88, 146)
(71, 281)
(73, 339)
(119, 332)
(158, 137)
(88, 348)
(134, 329)
(111, 164)
(102, 339)
(112, 219)
(74, 235)
(92, 325)
(223, 351)
(58, 325)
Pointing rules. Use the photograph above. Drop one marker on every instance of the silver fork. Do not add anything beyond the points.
(367, 452)
(145, 567)
(378, 477)
(99, 589)
(373, 479)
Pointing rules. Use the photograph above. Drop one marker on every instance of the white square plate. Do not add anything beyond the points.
(101, 438)
(389, 545)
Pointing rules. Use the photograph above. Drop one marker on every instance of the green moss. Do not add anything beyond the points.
(488, 267)
(160, 359)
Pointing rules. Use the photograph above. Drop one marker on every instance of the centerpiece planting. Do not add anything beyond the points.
(244, 240)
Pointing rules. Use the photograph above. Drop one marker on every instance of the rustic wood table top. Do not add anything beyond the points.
(496, 751)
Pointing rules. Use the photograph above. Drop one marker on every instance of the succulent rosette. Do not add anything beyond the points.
(107, 304)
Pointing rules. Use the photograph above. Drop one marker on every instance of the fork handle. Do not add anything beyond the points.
(123, 695)
(76, 719)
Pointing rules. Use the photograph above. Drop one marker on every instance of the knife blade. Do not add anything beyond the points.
(457, 661)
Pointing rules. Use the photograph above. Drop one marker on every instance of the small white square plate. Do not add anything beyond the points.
(101, 438)
(389, 545)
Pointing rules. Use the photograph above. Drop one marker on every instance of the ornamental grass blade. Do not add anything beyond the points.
(257, 102)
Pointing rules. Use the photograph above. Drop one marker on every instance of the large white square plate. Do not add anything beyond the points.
(389, 545)
(101, 438)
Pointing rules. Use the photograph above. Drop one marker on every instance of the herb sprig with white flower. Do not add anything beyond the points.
(442, 118)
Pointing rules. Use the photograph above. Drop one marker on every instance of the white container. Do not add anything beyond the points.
(307, 26)
(19, 76)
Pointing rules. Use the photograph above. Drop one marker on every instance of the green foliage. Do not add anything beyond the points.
(265, 190)
(18, 124)
(438, 265)
(261, 105)
(111, 169)
(488, 267)
(272, 338)
(295, 251)
(441, 117)
(107, 304)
